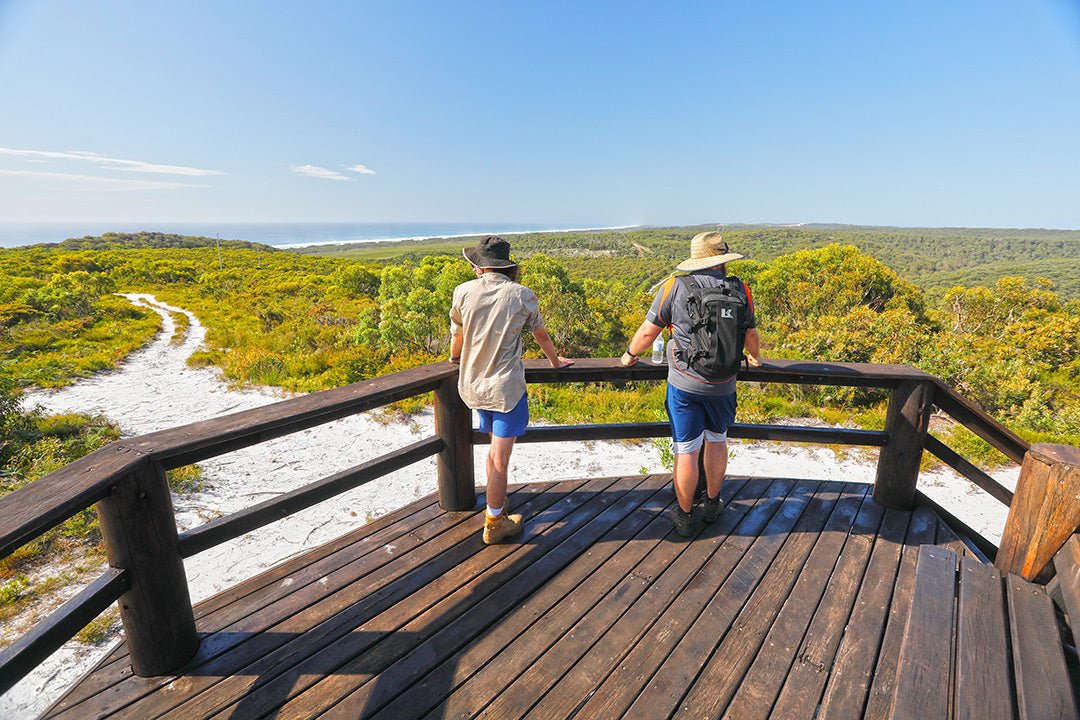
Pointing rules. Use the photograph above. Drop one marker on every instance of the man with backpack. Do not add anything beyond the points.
(711, 319)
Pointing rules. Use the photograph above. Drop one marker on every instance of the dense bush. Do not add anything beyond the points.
(305, 322)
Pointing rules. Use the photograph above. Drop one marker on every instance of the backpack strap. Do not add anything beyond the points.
(667, 291)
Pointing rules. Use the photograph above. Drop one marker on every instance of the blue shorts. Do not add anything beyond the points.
(506, 424)
(696, 418)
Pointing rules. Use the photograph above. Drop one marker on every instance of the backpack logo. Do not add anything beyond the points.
(726, 313)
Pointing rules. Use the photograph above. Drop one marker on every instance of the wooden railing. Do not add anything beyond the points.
(127, 482)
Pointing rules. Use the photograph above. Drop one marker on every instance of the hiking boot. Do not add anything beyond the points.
(710, 509)
(682, 521)
(501, 527)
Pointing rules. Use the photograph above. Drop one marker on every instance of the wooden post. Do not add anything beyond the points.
(139, 529)
(906, 422)
(453, 423)
(1045, 510)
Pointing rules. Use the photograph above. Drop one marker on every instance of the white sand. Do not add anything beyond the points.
(155, 389)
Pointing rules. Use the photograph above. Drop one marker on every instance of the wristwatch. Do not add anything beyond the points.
(630, 353)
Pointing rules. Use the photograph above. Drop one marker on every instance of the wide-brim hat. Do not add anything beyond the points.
(707, 250)
(491, 252)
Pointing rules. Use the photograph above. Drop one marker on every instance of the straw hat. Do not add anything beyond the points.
(491, 252)
(707, 250)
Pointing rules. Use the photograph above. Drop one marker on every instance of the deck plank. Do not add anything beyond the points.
(983, 678)
(1043, 689)
(922, 682)
(440, 566)
(710, 558)
(754, 696)
(372, 582)
(768, 622)
(736, 581)
(530, 630)
(949, 540)
(592, 648)
(922, 529)
(794, 604)
(733, 622)
(213, 613)
(805, 680)
(853, 668)
(366, 684)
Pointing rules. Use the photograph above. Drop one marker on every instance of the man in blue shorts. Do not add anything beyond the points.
(487, 317)
(700, 408)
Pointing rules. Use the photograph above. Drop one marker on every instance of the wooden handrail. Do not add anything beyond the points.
(187, 444)
(954, 460)
(743, 431)
(114, 475)
(801, 372)
(45, 503)
(236, 524)
(23, 655)
(975, 419)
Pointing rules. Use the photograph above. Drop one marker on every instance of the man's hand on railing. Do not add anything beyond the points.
(753, 360)
(561, 362)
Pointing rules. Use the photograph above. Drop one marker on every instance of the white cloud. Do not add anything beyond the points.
(362, 169)
(94, 181)
(319, 172)
(106, 162)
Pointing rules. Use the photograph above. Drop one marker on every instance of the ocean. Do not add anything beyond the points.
(282, 235)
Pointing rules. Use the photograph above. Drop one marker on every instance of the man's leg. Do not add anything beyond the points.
(498, 463)
(720, 414)
(716, 455)
(505, 429)
(686, 478)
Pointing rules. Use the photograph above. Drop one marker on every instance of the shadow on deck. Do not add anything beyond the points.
(793, 603)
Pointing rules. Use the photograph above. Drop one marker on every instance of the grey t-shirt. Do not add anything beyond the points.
(669, 310)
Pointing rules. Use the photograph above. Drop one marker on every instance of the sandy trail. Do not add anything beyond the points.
(155, 389)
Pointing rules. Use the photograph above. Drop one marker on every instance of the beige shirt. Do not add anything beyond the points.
(491, 312)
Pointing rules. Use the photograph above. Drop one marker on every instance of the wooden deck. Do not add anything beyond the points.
(793, 603)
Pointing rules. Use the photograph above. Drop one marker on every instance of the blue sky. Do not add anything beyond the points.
(559, 113)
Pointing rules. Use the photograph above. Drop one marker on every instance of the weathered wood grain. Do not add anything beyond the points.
(138, 526)
(853, 668)
(454, 465)
(974, 418)
(984, 687)
(922, 529)
(806, 679)
(23, 655)
(954, 460)
(925, 667)
(1043, 687)
(906, 422)
(778, 609)
(1067, 564)
(1045, 511)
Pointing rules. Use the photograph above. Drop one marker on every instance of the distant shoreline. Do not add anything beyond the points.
(279, 235)
(290, 246)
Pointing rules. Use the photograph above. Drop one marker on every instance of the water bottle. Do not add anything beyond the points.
(658, 351)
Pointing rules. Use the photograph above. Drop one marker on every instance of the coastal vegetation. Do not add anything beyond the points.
(308, 321)
(947, 301)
